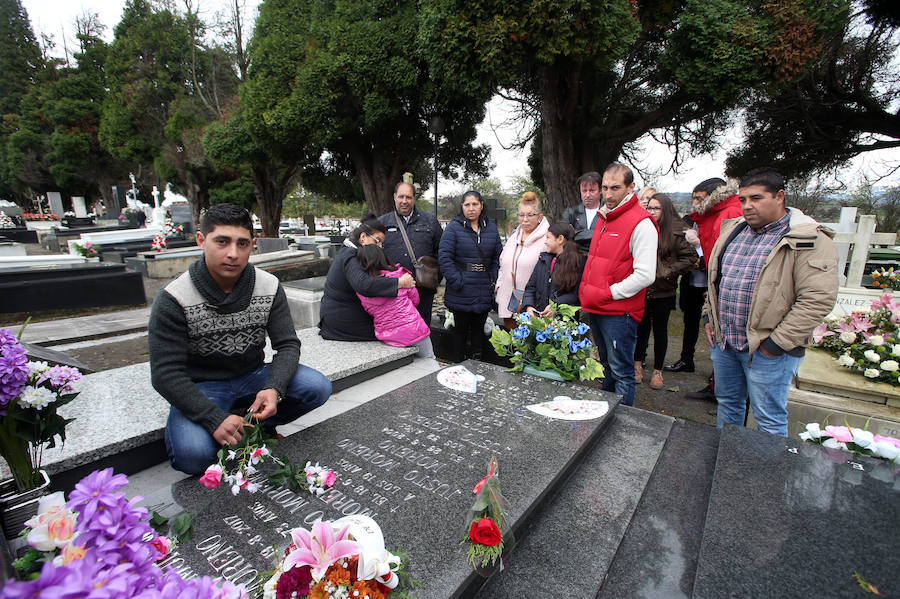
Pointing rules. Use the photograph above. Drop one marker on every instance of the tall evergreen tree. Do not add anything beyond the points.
(21, 64)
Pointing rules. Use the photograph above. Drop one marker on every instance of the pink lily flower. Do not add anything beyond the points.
(820, 332)
(891, 440)
(840, 433)
(860, 323)
(320, 548)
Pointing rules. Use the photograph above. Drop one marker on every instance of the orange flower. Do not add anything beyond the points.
(338, 575)
(318, 592)
(368, 587)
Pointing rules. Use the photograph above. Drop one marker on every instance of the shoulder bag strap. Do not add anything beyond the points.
(412, 254)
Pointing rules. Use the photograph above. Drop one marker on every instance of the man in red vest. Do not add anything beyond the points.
(621, 264)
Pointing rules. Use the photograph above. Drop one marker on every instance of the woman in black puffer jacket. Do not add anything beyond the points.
(469, 257)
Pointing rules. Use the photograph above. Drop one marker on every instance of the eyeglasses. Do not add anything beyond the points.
(523, 215)
(654, 208)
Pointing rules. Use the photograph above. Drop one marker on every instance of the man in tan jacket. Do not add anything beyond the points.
(772, 280)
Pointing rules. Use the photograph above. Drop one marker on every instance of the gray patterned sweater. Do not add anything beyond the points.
(197, 332)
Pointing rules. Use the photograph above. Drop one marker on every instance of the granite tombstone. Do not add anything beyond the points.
(408, 459)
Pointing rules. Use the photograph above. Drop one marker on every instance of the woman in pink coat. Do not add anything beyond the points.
(397, 322)
(519, 256)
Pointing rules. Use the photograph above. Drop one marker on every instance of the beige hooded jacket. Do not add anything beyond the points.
(795, 290)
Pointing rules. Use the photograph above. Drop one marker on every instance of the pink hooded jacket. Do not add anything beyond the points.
(397, 323)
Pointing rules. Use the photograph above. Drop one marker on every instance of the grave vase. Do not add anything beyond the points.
(547, 374)
(17, 508)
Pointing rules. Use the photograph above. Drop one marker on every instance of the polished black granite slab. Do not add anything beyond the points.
(35, 288)
(572, 541)
(788, 519)
(658, 556)
(409, 459)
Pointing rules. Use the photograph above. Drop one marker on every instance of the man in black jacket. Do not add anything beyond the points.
(424, 232)
(583, 216)
(207, 333)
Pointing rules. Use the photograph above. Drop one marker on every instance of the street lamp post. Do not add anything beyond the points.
(436, 126)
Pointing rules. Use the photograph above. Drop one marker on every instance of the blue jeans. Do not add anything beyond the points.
(615, 337)
(191, 447)
(766, 380)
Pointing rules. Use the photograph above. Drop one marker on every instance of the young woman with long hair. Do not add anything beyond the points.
(557, 274)
(675, 256)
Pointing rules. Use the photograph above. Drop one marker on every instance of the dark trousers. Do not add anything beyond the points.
(656, 316)
(692, 299)
(468, 328)
(426, 301)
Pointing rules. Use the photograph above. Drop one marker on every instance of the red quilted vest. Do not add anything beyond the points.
(610, 261)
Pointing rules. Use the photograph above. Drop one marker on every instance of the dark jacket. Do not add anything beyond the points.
(667, 271)
(341, 315)
(424, 232)
(466, 290)
(584, 231)
(540, 290)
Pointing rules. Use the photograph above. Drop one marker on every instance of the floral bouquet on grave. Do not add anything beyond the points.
(238, 467)
(489, 544)
(87, 250)
(558, 342)
(867, 342)
(31, 394)
(100, 544)
(170, 229)
(886, 278)
(6, 222)
(854, 440)
(336, 560)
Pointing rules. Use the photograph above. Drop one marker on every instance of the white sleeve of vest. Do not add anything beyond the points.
(643, 243)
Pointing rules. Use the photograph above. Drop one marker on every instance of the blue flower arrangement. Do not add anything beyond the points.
(554, 342)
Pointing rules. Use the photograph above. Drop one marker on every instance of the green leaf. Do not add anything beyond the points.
(159, 523)
(183, 527)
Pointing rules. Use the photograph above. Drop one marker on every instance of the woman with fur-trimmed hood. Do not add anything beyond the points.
(721, 203)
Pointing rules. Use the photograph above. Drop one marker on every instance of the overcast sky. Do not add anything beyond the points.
(57, 16)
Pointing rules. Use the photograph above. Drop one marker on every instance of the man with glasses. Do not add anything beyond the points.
(424, 232)
(583, 216)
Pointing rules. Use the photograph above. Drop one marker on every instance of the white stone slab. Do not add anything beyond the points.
(12, 248)
(123, 236)
(851, 298)
(48, 261)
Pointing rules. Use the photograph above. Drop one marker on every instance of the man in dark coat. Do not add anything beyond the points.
(424, 232)
(583, 216)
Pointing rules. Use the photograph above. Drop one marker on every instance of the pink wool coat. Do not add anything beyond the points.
(397, 323)
(526, 256)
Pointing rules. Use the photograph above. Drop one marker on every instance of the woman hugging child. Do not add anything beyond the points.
(397, 322)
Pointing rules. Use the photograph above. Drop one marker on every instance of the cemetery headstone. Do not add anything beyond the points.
(56, 205)
(181, 214)
(79, 206)
(118, 201)
(266, 245)
(408, 459)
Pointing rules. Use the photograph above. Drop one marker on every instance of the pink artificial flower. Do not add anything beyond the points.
(860, 322)
(820, 332)
(319, 548)
(70, 553)
(840, 433)
(212, 478)
(891, 440)
(329, 478)
(162, 545)
(54, 525)
(258, 453)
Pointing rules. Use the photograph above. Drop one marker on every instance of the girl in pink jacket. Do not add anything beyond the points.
(397, 322)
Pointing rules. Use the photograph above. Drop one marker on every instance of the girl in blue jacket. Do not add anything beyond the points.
(469, 257)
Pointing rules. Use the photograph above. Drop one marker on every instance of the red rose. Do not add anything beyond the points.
(485, 532)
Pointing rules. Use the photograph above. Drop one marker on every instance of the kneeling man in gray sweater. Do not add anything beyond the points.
(207, 332)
